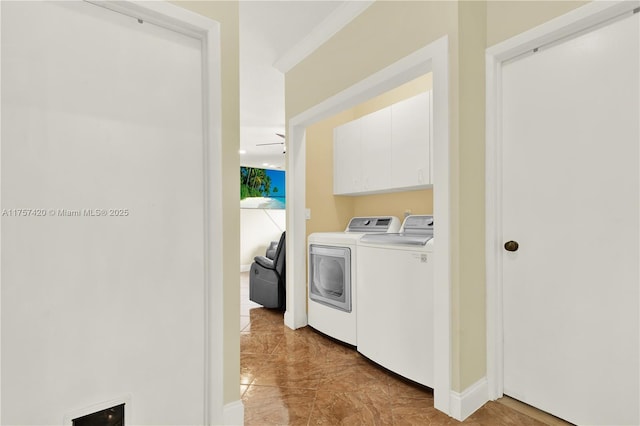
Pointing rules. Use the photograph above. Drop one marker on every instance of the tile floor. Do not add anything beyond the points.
(301, 377)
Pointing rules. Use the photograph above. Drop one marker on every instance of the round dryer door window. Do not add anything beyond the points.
(330, 276)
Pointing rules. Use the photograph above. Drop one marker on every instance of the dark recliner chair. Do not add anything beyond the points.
(271, 250)
(267, 278)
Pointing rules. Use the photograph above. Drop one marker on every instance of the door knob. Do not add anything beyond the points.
(511, 246)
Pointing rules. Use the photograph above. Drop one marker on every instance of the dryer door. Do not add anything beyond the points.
(330, 276)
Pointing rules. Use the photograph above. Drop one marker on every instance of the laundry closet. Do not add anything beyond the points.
(367, 169)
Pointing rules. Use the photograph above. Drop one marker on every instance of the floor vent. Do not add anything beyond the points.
(113, 416)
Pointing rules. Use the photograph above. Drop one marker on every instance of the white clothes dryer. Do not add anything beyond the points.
(395, 299)
(332, 307)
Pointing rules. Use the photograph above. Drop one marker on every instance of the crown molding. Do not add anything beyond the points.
(319, 35)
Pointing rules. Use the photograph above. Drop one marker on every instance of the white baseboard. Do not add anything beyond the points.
(233, 413)
(288, 320)
(245, 268)
(293, 322)
(466, 403)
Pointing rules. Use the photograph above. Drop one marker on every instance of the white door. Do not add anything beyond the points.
(102, 226)
(570, 132)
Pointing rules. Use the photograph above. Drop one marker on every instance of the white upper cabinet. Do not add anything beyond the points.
(387, 150)
(410, 133)
(346, 158)
(375, 148)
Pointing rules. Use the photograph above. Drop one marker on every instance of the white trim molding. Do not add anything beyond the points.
(0, 220)
(559, 28)
(333, 23)
(234, 413)
(432, 58)
(466, 403)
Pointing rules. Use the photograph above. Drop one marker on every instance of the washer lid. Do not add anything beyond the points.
(400, 238)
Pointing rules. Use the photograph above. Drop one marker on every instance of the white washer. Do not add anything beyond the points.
(395, 299)
(332, 307)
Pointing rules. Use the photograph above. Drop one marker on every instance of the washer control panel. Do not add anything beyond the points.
(418, 224)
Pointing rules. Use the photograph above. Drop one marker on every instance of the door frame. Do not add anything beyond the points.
(206, 30)
(433, 57)
(555, 30)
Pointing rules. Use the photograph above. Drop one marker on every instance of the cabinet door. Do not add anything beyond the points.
(375, 149)
(411, 130)
(346, 158)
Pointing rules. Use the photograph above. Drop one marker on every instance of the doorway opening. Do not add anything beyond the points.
(431, 58)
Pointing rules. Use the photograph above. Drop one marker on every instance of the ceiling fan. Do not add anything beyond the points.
(284, 147)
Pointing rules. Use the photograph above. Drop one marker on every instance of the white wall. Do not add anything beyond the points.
(100, 112)
(258, 227)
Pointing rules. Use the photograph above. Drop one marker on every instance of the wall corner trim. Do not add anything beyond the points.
(233, 413)
(293, 322)
(466, 403)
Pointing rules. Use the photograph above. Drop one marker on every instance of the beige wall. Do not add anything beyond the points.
(328, 213)
(226, 12)
(395, 204)
(468, 292)
(402, 92)
(384, 33)
(506, 19)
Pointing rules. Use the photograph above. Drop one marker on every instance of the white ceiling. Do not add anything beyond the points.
(273, 32)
